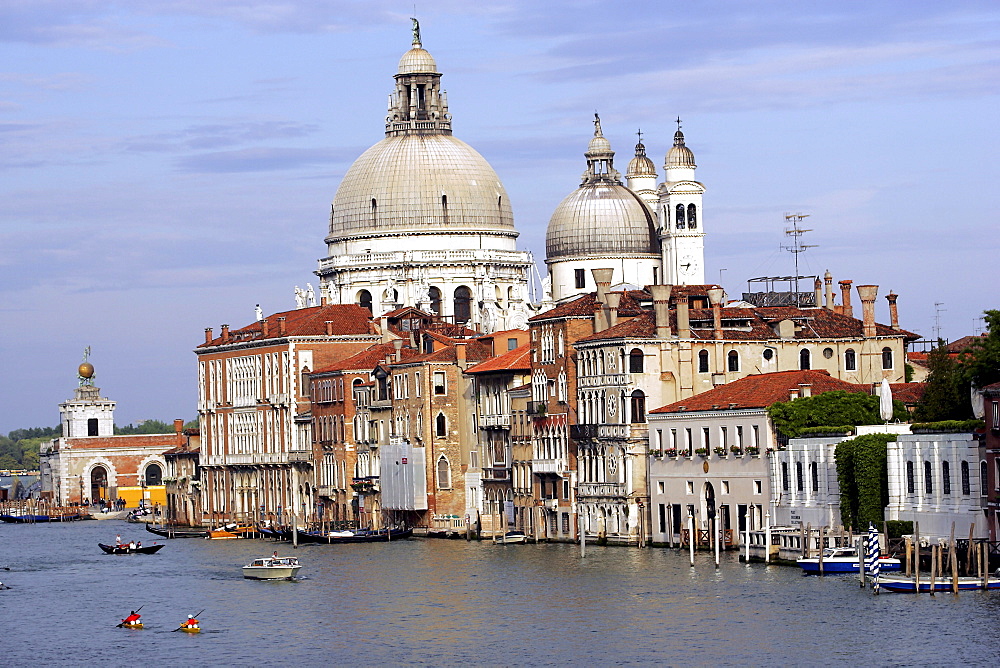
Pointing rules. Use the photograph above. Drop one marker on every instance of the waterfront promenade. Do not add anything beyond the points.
(449, 602)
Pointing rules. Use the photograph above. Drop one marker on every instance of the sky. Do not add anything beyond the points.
(165, 165)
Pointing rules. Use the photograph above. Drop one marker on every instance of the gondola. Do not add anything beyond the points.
(359, 536)
(173, 532)
(275, 533)
(126, 549)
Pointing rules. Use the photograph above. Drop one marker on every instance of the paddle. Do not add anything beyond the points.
(118, 626)
(195, 615)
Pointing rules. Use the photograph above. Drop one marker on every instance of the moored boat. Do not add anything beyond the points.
(176, 532)
(127, 548)
(231, 531)
(512, 538)
(843, 560)
(358, 536)
(272, 568)
(909, 584)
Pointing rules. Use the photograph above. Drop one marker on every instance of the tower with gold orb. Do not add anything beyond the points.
(87, 413)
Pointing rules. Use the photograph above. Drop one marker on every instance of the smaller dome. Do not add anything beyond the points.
(640, 165)
(679, 155)
(598, 146)
(417, 61)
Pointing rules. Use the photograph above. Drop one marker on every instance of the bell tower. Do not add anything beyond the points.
(680, 221)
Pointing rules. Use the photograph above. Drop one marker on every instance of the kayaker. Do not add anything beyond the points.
(191, 623)
(132, 618)
(118, 540)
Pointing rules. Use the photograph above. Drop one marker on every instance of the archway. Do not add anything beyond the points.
(98, 483)
(153, 475)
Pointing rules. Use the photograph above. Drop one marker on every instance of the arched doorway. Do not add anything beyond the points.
(153, 475)
(708, 512)
(98, 483)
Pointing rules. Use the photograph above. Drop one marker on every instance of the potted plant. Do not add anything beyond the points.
(753, 451)
(657, 453)
(720, 450)
(736, 450)
(670, 452)
(701, 451)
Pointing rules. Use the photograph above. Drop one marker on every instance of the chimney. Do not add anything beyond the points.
(893, 313)
(397, 345)
(683, 319)
(329, 327)
(818, 292)
(281, 326)
(715, 296)
(208, 335)
(613, 299)
(602, 278)
(225, 333)
(867, 293)
(178, 427)
(805, 389)
(828, 279)
(264, 328)
(793, 393)
(460, 352)
(845, 298)
(661, 309)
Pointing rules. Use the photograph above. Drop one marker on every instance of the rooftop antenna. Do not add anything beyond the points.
(979, 325)
(796, 232)
(937, 319)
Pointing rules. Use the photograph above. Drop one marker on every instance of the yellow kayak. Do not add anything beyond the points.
(190, 629)
(137, 625)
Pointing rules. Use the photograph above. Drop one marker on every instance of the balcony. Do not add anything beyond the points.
(300, 456)
(495, 421)
(602, 489)
(547, 466)
(579, 432)
(496, 474)
(612, 379)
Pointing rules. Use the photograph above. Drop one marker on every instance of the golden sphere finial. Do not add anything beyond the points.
(86, 370)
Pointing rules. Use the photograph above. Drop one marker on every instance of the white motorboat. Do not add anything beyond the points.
(843, 560)
(512, 538)
(272, 568)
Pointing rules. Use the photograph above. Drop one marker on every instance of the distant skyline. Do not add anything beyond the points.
(167, 165)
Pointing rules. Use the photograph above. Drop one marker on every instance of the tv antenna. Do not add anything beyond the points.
(937, 319)
(796, 232)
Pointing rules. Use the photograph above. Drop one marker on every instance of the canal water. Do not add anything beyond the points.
(450, 602)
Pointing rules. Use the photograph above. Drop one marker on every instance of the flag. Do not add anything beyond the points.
(873, 555)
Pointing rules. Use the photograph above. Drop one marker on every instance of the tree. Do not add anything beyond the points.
(863, 479)
(946, 396)
(145, 427)
(830, 409)
(981, 360)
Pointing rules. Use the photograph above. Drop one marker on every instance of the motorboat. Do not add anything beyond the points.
(843, 560)
(512, 538)
(909, 584)
(272, 568)
(130, 548)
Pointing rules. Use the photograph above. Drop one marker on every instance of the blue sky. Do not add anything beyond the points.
(166, 165)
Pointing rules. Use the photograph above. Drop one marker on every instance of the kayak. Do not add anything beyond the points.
(190, 629)
(136, 625)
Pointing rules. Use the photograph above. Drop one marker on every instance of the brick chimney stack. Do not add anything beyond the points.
(893, 312)
(208, 335)
(828, 279)
(868, 293)
(661, 309)
(683, 318)
(225, 333)
(397, 346)
(460, 353)
(613, 300)
(845, 298)
(602, 278)
(715, 296)
(265, 328)
(818, 292)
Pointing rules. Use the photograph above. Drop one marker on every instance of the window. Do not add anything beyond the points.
(365, 300)
(511, 344)
(435, 296)
(690, 487)
(928, 478)
(945, 478)
(911, 486)
(706, 438)
(92, 427)
(768, 354)
(635, 359)
(827, 353)
(440, 426)
(784, 476)
(703, 361)
(416, 383)
(440, 386)
(814, 474)
(692, 216)
(638, 407)
(725, 487)
(154, 475)
(966, 485)
(850, 360)
(580, 277)
(805, 359)
(799, 481)
(443, 473)
(681, 223)
(887, 358)
(463, 304)
(982, 478)
(758, 486)
(733, 360)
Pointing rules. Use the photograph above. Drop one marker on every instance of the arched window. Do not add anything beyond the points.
(440, 425)
(887, 358)
(784, 476)
(814, 474)
(982, 478)
(800, 484)
(850, 360)
(365, 300)
(463, 304)
(154, 475)
(692, 216)
(733, 360)
(635, 359)
(681, 224)
(435, 296)
(638, 407)
(805, 359)
(945, 478)
(911, 486)
(928, 478)
(374, 210)
(703, 361)
(966, 484)
(443, 473)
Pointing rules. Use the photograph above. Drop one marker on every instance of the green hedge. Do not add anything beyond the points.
(947, 426)
(842, 430)
(864, 479)
(899, 528)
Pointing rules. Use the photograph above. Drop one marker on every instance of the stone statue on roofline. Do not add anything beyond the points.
(310, 295)
(300, 297)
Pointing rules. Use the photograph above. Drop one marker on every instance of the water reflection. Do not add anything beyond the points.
(437, 602)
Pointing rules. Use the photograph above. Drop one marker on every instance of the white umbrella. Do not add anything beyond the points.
(885, 401)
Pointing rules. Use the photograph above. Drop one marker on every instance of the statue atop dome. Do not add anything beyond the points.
(416, 32)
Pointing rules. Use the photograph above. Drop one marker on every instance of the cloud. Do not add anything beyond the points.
(218, 135)
(262, 159)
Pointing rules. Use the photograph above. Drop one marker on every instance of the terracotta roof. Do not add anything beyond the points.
(908, 393)
(760, 391)
(639, 327)
(475, 351)
(367, 359)
(959, 345)
(345, 319)
(406, 310)
(518, 359)
(585, 305)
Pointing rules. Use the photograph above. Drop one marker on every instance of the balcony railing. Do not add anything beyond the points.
(582, 431)
(605, 489)
(547, 466)
(300, 455)
(496, 474)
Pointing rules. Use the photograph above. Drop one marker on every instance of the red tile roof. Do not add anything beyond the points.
(585, 305)
(909, 393)
(518, 359)
(475, 351)
(367, 359)
(760, 391)
(345, 319)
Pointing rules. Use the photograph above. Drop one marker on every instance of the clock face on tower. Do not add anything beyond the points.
(687, 265)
